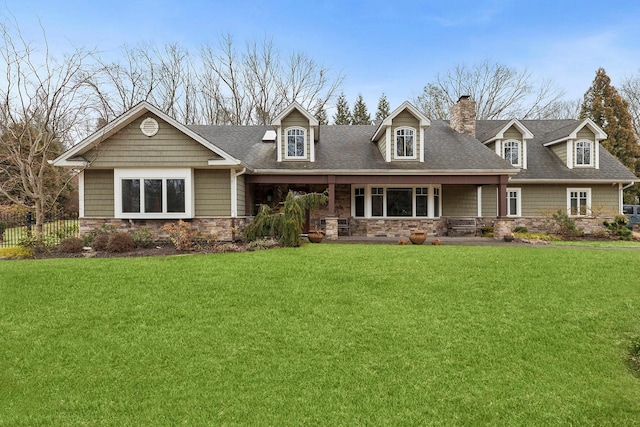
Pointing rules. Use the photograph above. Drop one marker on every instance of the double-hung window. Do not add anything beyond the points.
(157, 193)
(405, 143)
(296, 143)
(513, 202)
(584, 153)
(578, 201)
(511, 152)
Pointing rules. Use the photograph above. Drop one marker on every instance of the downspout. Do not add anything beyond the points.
(234, 200)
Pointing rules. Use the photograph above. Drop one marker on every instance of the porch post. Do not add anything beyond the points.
(332, 195)
(502, 196)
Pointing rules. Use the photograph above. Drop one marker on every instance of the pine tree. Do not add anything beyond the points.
(321, 114)
(383, 108)
(360, 114)
(343, 114)
(603, 104)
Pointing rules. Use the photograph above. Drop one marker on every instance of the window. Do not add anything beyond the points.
(578, 201)
(359, 201)
(405, 143)
(584, 155)
(377, 201)
(513, 202)
(399, 202)
(296, 144)
(511, 152)
(153, 193)
(396, 202)
(422, 201)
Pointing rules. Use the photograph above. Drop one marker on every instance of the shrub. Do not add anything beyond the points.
(104, 229)
(120, 242)
(37, 243)
(520, 229)
(562, 224)
(143, 238)
(15, 252)
(619, 227)
(181, 234)
(71, 245)
(100, 242)
(487, 231)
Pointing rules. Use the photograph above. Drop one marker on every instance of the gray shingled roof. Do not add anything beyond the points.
(349, 148)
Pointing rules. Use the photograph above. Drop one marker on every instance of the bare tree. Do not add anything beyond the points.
(499, 91)
(43, 106)
(631, 92)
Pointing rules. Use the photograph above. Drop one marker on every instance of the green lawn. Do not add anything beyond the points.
(323, 335)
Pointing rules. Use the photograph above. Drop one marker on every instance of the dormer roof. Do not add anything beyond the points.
(277, 121)
(499, 131)
(571, 132)
(424, 121)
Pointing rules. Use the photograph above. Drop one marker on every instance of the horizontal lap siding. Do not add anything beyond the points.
(560, 150)
(459, 200)
(241, 195)
(489, 200)
(131, 148)
(544, 199)
(605, 199)
(513, 133)
(212, 192)
(98, 193)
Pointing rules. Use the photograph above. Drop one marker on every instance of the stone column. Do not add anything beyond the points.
(331, 232)
(502, 227)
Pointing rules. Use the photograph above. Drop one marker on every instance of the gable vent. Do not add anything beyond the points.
(149, 126)
(269, 136)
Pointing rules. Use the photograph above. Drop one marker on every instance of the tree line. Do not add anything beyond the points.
(50, 101)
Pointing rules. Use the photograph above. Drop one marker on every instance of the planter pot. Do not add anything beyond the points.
(508, 238)
(417, 238)
(315, 236)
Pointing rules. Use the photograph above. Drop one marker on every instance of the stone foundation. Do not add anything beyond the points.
(226, 229)
(385, 227)
(543, 224)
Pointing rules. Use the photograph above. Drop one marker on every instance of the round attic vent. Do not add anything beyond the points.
(149, 126)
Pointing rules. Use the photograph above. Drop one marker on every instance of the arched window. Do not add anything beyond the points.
(405, 143)
(584, 153)
(296, 143)
(511, 152)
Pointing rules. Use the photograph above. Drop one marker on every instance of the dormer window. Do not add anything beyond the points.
(405, 143)
(296, 143)
(584, 153)
(511, 152)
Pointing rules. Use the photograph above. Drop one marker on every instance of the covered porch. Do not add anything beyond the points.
(385, 205)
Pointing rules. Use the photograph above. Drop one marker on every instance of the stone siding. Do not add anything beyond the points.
(385, 227)
(542, 224)
(227, 229)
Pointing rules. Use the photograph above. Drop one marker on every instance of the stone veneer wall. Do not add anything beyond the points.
(541, 224)
(227, 229)
(385, 227)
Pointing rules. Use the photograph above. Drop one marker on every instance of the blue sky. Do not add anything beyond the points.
(395, 47)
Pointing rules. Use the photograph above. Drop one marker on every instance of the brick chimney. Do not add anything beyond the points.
(463, 116)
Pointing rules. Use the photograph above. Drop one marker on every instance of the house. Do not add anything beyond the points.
(385, 179)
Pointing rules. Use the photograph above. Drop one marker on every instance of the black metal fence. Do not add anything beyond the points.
(18, 227)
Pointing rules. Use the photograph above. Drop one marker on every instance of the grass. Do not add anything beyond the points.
(598, 243)
(323, 335)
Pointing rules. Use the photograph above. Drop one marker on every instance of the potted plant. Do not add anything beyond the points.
(417, 237)
(315, 236)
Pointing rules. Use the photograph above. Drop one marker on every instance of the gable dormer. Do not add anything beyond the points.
(400, 136)
(296, 134)
(578, 146)
(510, 143)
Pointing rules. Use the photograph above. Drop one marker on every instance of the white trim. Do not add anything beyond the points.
(620, 198)
(142, 174)
(519, 144)
(597, 131)
(277, 121)
(424, 122)
(422, 132)
(312, 147)
(304, 143)
(279, 146)
(596, 154)
(518, 192)
(81, 194)
(498, 148)
(592, 159)
(479, 197)
(526, 133)
(368, 197)
(234, 193)
(570, 154)
(395, 143)
(578, 190)
(389, 144)
(524, 154)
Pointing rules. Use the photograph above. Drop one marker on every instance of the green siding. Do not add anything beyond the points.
(405, 119)
(513, 133)
(98, 193)
(459, 200)
(131, 148)
(561, 151)
(212, 192)
(295, 119)
(544, 199)
(489, 200)
(585, 133)
(382, 145)
(241, 195)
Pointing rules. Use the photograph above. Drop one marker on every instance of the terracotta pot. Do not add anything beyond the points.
(418, 237)
(315, 236)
